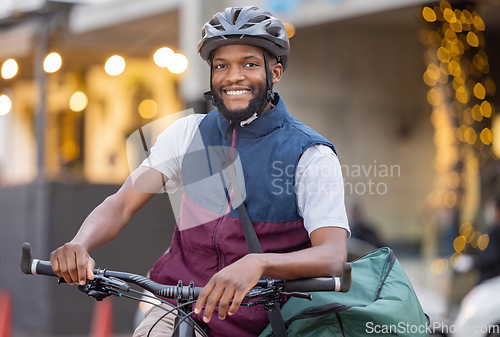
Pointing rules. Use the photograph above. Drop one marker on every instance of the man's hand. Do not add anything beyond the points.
(230, 284)
(73, 263)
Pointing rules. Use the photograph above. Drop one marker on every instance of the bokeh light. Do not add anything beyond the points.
(428, 14)
(178, 63)
(70, 150)
(479, 91)
(439, 266)
(486, 136)
(162, 56)
(290, 29)
(490, 86)
(478, 23)
(496, 136)
(148, 109)
(483, 241)
(52, 63)
(472, 39)
(450, 199)
(454, 259)
(9, 69)
(115, 65)
(449, 15)
(459, 243)
(5, 105)
(461, 95)
(165, 57)
(486, 109)
(434, 97)
(78, 101)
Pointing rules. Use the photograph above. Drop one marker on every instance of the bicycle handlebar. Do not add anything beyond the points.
(118, 280)
(32, 266)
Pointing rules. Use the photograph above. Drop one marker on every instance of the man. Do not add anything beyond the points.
(302, 230)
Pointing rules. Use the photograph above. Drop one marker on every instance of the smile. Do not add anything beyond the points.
(236, 92)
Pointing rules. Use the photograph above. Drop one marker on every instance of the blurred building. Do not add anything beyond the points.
(359, 75)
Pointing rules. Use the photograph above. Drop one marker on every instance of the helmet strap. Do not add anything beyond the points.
(269, 84)
(208, 96)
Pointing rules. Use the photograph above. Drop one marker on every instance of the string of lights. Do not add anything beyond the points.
(460, 92)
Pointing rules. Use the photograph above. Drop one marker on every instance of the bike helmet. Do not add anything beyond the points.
(245, 25)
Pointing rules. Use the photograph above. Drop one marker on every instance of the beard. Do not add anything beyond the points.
(254, 106)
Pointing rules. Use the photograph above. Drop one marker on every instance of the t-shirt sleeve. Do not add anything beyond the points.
(320, 189)
(171, 145)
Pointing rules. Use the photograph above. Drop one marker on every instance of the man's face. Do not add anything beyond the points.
(239, 80)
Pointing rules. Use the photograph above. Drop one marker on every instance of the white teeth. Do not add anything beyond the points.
(237, 92)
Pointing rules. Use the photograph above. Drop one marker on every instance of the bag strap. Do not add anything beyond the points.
(251, 238)
(391, 259)
(275, 317)
(253, 244)
(341, 326)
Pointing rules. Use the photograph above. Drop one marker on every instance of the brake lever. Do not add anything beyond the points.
(306, 296)
(110, 281)
(101, 287)
(114, 283)
(260, 292)
(97, 294)
(95, 290)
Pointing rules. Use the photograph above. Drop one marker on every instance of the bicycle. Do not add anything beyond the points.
(108, 282)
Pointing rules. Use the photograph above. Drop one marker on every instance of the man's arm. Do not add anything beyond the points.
(72, 260)
(326, 257)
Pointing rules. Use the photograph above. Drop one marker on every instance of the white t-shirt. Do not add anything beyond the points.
(318, 179)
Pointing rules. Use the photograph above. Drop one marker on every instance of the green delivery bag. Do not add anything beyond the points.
(381, 302)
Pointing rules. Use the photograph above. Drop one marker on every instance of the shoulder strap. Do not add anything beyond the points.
(275, 317)
(251, 238)
(253, 244)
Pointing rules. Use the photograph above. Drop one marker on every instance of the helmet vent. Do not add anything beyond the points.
(236, 14)
(259, 18)
(247, 25)
(215, 23)
(274, 31)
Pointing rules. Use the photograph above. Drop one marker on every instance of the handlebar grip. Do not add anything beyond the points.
(346, 278)
(26, 258)
(341, 284)
(313, 284)
(32, 266)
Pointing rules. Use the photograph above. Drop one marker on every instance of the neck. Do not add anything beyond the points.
(268, 107)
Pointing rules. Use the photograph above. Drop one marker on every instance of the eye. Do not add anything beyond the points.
(219, 66)
(250, 65)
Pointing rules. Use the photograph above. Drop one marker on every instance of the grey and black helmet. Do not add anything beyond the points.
(245, 25)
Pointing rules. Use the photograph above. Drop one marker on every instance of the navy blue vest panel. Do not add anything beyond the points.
(269, 149)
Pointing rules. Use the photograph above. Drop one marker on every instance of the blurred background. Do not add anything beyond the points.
(405, 90)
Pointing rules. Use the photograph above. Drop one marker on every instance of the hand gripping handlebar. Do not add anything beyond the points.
(180, 292)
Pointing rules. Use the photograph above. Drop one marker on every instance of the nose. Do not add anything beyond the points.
(234, 74)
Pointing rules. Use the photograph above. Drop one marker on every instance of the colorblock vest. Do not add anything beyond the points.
(209, 234)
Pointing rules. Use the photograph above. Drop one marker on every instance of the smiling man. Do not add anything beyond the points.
(302, 230)
(239, 81)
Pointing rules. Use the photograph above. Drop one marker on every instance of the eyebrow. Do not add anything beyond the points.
(243, 58)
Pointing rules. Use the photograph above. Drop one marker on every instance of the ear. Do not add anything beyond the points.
(276, 71)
